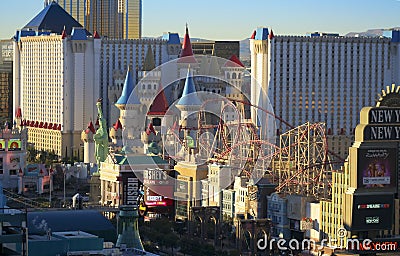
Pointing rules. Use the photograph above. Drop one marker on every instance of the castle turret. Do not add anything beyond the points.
(233, 73)
(18, 118)
(131, 116)
(149, 79)
(88, 144)
(189, 105)
(174, 44)
(116, 133)
(259, 48)
(186, 59)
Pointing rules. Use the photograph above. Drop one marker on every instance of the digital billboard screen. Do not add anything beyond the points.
(377, 168)
(372, 212)
(159, 187)
(152, 198)
(14, 144)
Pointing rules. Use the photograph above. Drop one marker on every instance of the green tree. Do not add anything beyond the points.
(171, 239)
(31, 154)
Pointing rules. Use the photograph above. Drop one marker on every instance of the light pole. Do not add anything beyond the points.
(51, 184)
(64, 172)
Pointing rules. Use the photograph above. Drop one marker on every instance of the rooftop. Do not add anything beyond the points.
(53, 18)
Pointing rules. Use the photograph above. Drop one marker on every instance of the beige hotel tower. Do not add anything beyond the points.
(120, 19)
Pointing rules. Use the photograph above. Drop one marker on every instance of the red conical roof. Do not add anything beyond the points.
(96, 35)
(271, 35)
(150, 129)
(187, 45)
(90, 128)
(233, 62)
(117, 125)
(97, 122)
(19, 113)
(186, 55)
(64, 34)
(50, 126)
(253, 35)
(175, 126)
(160, 104)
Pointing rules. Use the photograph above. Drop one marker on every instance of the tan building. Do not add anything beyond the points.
(364, 202)
(188, 192)
(332, 210)
(120, 19)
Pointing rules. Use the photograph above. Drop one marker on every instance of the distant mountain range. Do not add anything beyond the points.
(245, 43)
(369, 32)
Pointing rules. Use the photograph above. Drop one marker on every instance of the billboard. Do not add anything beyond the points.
(377, 168)
(159, 187)
(130, 189)
(372, 212)
(2, 144)
(152, 198)
(6, 51)
(14, 144)
(182, 186)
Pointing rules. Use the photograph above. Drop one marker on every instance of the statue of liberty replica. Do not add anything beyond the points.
(101, 136)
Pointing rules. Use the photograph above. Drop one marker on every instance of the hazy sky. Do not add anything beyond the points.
(236, 19)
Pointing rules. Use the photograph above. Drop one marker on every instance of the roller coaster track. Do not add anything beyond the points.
(304, 159)
(26, 202)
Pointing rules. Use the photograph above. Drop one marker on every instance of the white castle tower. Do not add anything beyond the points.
(115, 134)
(233, 73)
(131, 114)
(260, 48)
(189, 105)
(88, 144)
(149, 79)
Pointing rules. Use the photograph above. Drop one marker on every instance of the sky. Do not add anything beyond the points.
(236, 19)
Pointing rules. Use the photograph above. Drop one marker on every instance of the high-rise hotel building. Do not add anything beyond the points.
(323, 77)
(111, 18)
(55, 83)
(60, 71)
(6, 75)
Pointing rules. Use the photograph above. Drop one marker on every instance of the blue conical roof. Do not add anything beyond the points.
(189, 94)
(128, 96)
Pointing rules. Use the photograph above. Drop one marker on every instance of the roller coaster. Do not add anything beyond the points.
(298, 161)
